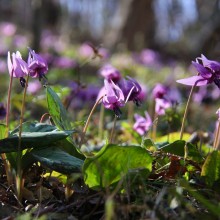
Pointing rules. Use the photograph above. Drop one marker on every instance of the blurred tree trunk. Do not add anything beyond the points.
(37, 23)
(46, 14)
(133, 25)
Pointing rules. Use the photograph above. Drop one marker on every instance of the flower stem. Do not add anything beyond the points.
(113, 129)
(88, 120)
(8, 104)
(186, 111)
(3, 155)
(154, 129)
(44, 116)
(19, 182)
(101, 121)
(216, 140)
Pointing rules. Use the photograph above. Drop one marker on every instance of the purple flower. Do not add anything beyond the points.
(143, 94)
(161, 106)
(34, 87)
(142, 124)
(2, 111)
(149, 58)
(208, 72)
(159, 91)
(37, 65)
(64, 63)
(17, 66)
(8, 29)
(114, 98)
(131, 90)
(85, 50)
(110, 73)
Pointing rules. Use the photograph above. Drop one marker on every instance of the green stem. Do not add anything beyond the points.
(19, 154)
(113, 129)
(186, 111)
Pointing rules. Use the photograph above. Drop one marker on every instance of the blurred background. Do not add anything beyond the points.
(179, 28)
(153, 41)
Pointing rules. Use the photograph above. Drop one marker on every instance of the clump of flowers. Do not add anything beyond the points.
(35, 67)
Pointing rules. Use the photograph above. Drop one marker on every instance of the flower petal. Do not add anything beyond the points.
(191, 81)
(205, 73)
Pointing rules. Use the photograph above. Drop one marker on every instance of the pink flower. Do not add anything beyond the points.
(114, 98)
(37, 65)
(17, 66)
(142, 124)
(161, 106)
(110, 73)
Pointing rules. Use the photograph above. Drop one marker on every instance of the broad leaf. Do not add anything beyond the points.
(34, 127)
(58, 160)
(148, 144)
(57, 110)
(182, 149)
(113, 162)
(31, 139)
(211, 168)
(2, 131)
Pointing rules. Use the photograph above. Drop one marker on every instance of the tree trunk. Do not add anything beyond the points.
(134, 25)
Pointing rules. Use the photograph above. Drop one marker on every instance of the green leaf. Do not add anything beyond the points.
(34, 127)
(148, 144)
(113, 162)
(173, 137)
(31, 139)
(180, 147)
(2, 131)
(57, 110)
(211, 168)
(177, 148)
(58, 160)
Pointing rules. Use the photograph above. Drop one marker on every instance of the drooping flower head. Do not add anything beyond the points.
(131, 89)
(142, 124)
(114, 98)
(208, 72)
(110, 73)
(16, 65)
(37, 65)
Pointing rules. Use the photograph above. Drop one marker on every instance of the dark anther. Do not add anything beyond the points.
(137, 102)
(217, 82)
(117, 112)
(22, 81)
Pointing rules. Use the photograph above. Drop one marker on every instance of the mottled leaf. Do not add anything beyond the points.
(31, 140)
(58, 160)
